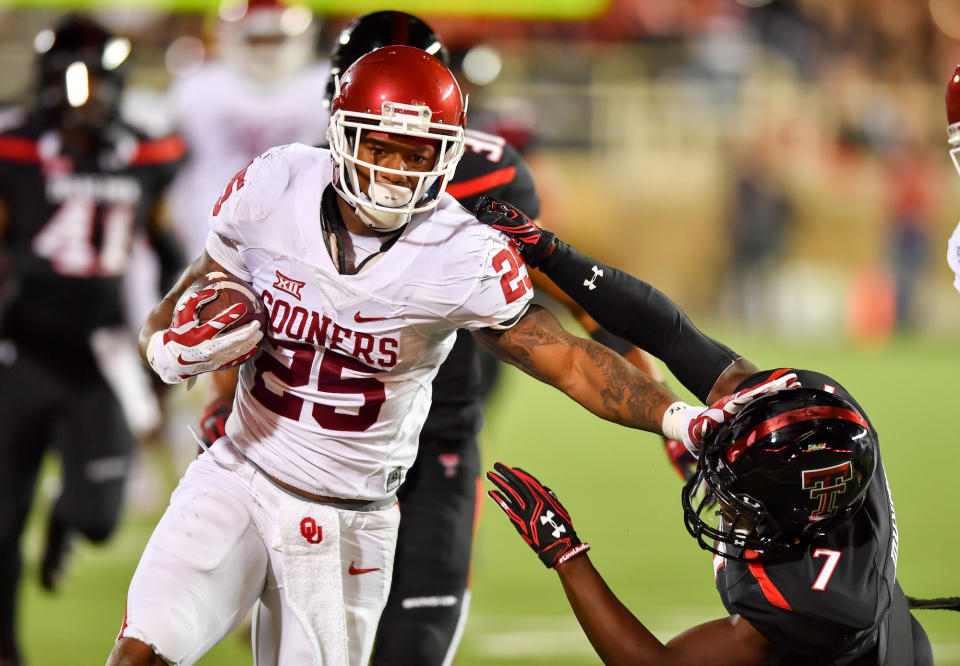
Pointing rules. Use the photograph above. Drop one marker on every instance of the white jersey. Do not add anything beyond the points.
(227, 120)
(336, 399)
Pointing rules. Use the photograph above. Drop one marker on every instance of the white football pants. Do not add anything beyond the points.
(230, 537)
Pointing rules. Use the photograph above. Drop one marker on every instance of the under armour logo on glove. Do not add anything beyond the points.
(557, 529)
(589, 284)
(536, 514)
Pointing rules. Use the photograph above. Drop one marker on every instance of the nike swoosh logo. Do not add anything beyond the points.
(184, 361)
(353, 571)
(362, 320)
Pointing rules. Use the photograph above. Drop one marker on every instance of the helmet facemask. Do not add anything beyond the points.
(719, 517)
(385, 206)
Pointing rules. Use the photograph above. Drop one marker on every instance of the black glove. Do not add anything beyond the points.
(536, 514)
(214, 420)
(532, 240)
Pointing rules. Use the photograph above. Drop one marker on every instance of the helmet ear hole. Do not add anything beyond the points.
(791, 465)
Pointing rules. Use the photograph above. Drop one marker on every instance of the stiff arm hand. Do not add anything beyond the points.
(691, 425)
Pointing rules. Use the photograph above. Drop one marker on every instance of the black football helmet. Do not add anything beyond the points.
(79, 73)
(378, 29)
(786, 469)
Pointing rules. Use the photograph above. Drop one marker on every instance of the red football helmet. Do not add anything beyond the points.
(953, 116)
(404, 92)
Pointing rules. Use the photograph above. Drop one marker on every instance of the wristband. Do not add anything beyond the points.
(675, 423)
(581, 549)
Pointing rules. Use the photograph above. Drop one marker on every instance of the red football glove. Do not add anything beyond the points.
(190, 348)
(691, 425)
(502, 216)
(536, 514)
(214, 420)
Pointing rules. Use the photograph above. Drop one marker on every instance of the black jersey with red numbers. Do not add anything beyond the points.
(489, 166)
(70, 221)
(838, 602)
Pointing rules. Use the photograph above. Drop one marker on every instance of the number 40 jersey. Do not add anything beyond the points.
(336, 399)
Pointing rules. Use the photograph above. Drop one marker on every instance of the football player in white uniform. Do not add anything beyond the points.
(265, 88)
(953, 140)
(367, 269)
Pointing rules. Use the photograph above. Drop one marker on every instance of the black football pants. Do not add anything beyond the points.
(423, 619)
(73, 410)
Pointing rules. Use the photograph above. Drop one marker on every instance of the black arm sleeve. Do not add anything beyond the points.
(636, 311)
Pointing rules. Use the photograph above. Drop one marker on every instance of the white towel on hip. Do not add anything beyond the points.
(309, 540)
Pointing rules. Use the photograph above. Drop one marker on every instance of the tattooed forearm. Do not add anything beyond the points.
(599, 379)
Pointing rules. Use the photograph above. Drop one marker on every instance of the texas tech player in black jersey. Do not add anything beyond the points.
(789, 493)
(836, 599)
(76, 183)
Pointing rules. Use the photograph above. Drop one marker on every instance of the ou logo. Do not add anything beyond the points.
(312, 532)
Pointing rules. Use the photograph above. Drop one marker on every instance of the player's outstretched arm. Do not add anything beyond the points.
(615, 633)
(596, 377)
(176, 345)
(624, 305)
(606, 384)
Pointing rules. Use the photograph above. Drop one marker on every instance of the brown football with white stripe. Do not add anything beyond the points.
(230, 291)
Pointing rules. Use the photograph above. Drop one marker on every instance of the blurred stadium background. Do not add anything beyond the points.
(778, 167)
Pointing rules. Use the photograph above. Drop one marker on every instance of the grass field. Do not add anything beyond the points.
(624, 500)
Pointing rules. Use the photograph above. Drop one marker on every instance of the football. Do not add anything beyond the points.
(230, 291)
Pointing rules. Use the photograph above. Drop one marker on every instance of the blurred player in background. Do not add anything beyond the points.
(805, 538)
(953, 140)
(429, 597)
(76, 184)
(265, 88)
(368, 269)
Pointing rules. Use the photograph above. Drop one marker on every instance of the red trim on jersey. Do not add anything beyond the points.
(19, 149)
(161, 150)
(789, 418)
(468, 188)
(769, 590)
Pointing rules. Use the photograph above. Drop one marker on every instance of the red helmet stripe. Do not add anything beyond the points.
(774, 423)
(770, 591)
